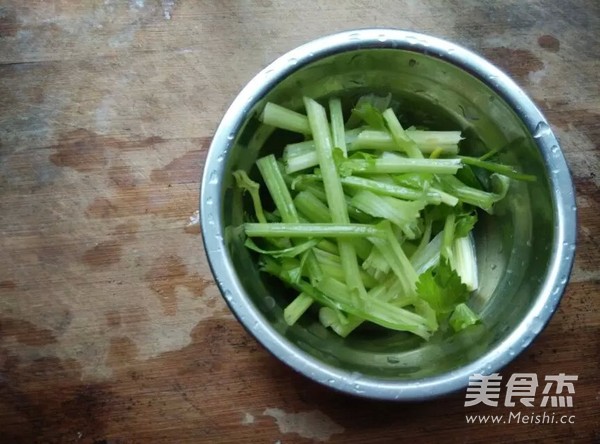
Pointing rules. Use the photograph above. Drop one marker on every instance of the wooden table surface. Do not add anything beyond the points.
(111, 327)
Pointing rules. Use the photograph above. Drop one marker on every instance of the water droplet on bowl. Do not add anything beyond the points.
(221, 158)
(293, 61)
(230, 137)
(213, 179)
(412, 62)
(269, 303)
(228, 295)
(331, 381)
(382, 37)
(393, 360)
(542, 129)
(209, 201)
(354, 36)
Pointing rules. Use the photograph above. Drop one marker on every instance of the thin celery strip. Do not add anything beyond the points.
(377, 311)
(283, 252)
(297, 308)
(399, 136)
(284, 118)
(425, 258)
(337, 124)
(392, 190)
(244, 182)
(448, 237)
(302, 155)
(473, 196)
(270, 173)
(333, 189)
(505, 170)
(343, 231)
(462, 317)
(398, 165)
(404, 214)
(399, 263)
(375, 264)
(311, 207)
(308, 146)
(424, 239)
(465, 261)
(427, 141)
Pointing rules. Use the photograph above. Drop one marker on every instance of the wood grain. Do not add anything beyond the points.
(111, 327)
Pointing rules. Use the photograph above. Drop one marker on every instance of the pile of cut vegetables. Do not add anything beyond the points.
(370, 222)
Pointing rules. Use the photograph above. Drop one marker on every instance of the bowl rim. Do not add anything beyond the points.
(561, 188)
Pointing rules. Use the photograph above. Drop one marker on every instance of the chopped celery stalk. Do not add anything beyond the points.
(343, 231)
(375, 264)
(377, 311)
(284, 118)
(505, 170)
(335, 270)
(356, 225)
(427, 141)
(402, 165)
(404, 214)
(448, 236)
(329, 316)
(308, 146)
(429, 256)
(328, 246)
(354, 322)
(336, 201)
(391, 190)
(270, 173)
(297, 308)
(473, 196)
(400, 138)
(284, 252)
(246, 184)
(424, 239)
(465, 261)
(462, 317)
(301, 162)
(311, 207)
(298, 149)
(399, 263)
(337, 124)
(331, 264)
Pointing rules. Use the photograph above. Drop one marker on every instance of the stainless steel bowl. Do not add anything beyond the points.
(525, 252)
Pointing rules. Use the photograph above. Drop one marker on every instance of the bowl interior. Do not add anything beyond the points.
(513, 246)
